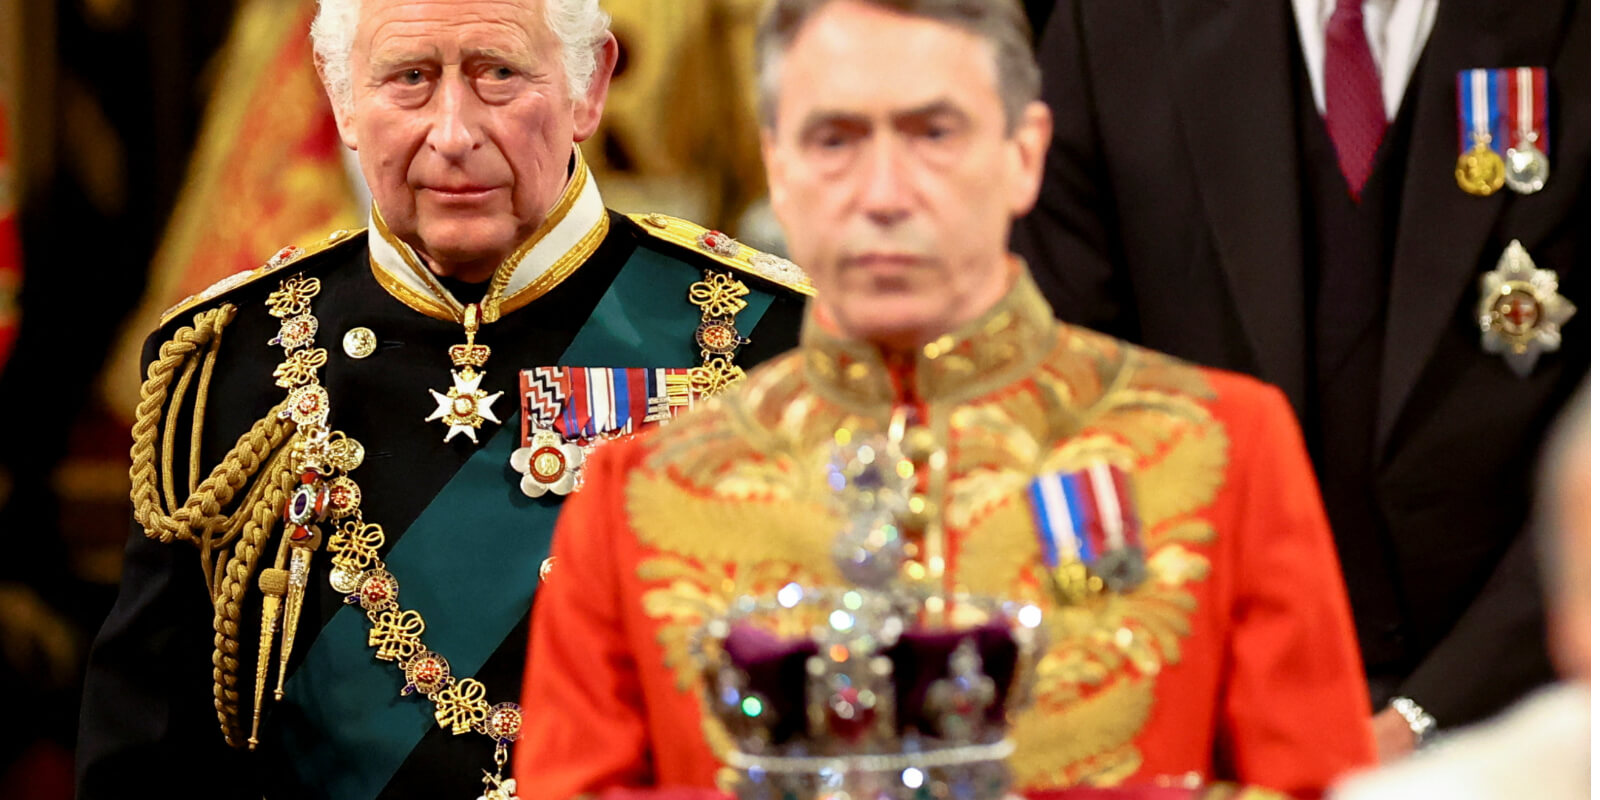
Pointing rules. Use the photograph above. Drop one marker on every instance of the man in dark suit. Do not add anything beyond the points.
(1261, 187)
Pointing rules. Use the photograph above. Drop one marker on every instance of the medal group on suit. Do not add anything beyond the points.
(1505, 134)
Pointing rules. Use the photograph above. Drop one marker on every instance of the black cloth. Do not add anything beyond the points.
(1349, 251)
(1176, 212)
(148, 722)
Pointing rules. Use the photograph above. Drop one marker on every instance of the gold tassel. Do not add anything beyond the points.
(300, 554)
(274, 581)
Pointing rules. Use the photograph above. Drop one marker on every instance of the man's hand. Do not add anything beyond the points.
(1394, 735)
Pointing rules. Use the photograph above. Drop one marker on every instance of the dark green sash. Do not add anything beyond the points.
(469, 562)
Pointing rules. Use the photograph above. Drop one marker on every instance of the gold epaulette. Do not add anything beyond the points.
(724, 249)
(289, 255)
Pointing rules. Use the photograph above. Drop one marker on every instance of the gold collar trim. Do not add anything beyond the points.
(569, 235)
(998, 348)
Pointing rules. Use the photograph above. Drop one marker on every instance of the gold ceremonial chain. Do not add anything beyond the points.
(358, 571)
(310, 458)
(720, 298)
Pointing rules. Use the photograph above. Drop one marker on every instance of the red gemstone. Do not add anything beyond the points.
(849, 718)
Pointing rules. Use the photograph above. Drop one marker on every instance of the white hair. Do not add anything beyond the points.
(579, 25)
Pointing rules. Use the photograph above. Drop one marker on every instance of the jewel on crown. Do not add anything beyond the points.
(879, 690)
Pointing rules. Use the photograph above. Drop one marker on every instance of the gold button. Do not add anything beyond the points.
(919, 444)
(360, 342)
(918, 514)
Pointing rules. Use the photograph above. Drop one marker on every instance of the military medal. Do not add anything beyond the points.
(1088, 532)
(567, 411)
(1479, 170)
(1527, 165)
(548, 463)
(1520, 311)
(465, 407)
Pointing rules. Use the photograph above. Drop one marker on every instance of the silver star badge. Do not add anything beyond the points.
(1520, 311)
(465, 406)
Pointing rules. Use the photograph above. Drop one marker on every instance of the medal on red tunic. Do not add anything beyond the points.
(1528, 159)
(1520, 310)
(1481, 103)
(567, 411)
(1089, 534)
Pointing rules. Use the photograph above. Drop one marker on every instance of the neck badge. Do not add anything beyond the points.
(1089, 532)
(465, 407)
(567, 411)
(1520, 311)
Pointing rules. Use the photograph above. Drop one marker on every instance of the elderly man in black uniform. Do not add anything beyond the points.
(1382, 206)
(403, 406)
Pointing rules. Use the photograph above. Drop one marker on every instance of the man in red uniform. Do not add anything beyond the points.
(902, 137)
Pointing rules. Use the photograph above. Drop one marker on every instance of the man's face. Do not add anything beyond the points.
(893, 174)
(463, 122)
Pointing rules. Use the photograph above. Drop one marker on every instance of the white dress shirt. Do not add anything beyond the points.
(1397, 30)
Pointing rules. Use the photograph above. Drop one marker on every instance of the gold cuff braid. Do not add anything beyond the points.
(200, 519)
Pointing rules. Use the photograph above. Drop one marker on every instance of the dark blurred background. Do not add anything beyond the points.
(151, 147)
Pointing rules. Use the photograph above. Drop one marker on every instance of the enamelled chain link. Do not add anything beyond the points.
(329, 493)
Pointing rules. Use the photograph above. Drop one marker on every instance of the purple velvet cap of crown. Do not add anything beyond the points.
(923, 656)
(775, 667)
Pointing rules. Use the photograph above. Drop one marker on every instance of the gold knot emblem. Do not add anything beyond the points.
(300, 368)
(396, 634)
(355, 546)
(293, 296)
(461, 707)
(714, 377)
(719, 295)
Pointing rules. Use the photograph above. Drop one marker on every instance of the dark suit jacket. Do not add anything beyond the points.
(1170, 216)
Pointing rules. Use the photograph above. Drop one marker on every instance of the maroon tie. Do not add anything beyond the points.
(1355, 115)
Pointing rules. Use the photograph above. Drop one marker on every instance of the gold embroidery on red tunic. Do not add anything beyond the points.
(731, 502)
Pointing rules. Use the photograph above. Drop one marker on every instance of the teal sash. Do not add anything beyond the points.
(469, 562)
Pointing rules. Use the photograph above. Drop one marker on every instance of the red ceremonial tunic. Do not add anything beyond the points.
(1234, 660)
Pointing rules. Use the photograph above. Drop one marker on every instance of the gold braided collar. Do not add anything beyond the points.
(570, 234)
(998, 348)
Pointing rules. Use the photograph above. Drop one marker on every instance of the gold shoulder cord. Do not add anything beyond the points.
(290, 445)
(200, 519)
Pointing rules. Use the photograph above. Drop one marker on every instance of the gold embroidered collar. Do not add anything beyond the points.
(998, 348)
(569, 235)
